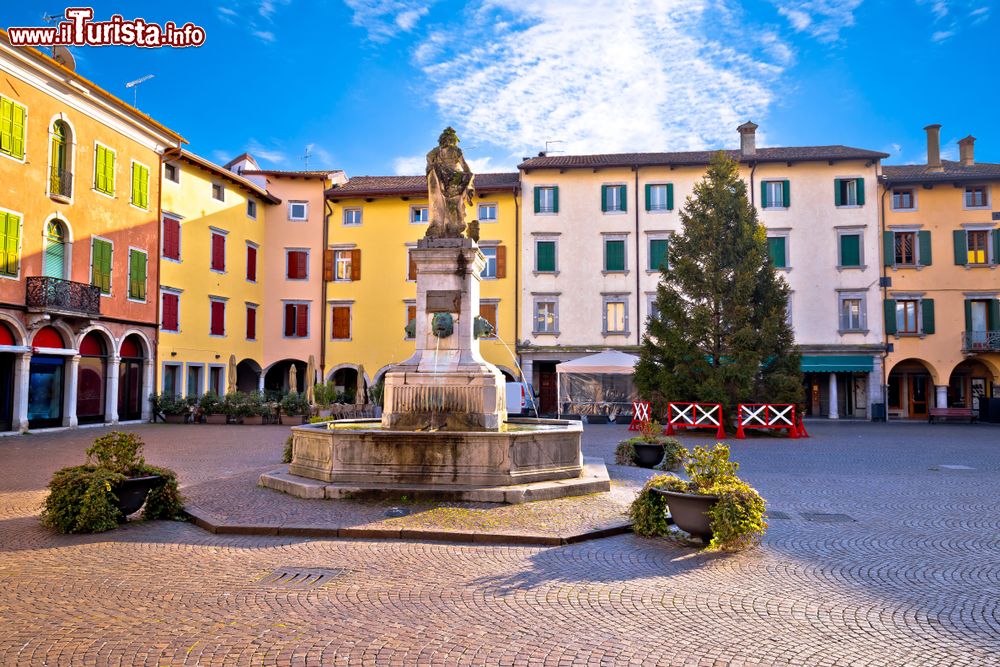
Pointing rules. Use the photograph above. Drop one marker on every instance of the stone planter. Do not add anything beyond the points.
(132, 492)
(647, 454)
(216, 419)
(253, 420)
(295, 420)
(175, 419)
(688, 511)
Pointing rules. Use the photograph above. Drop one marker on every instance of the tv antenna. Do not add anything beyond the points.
(51, 18)
(134, 85)
(305, 158)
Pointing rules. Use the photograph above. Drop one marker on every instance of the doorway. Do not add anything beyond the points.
(45, 391)
(918, 387)
(6, 391)
(547, 389)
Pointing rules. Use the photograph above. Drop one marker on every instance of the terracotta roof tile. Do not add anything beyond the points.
(360, 186)
(694, 158)
(918, 173)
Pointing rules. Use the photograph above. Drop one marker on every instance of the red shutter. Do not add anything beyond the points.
(251, 263)
(341, 322)
(302, 321)
(218, 318)
(328, 264)
(296, 265)
(289, 319)
(171, 238)
(169, 317)
(501, 261)
(411, 273)
(251, 323)
(356, 264)
(218, 252)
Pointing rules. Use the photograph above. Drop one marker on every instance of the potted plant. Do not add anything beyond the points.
(323, 396)
(175, 410)
(212, 408)
(650, 449)
(114, 482)
(713, 503)
(252, 409)
(296, 407)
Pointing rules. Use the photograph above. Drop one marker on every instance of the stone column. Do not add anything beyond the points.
(148, 380)
(833, 409)
(72, 367)
(941, 396)
(111, 387)
(19, 418)
(260, 381)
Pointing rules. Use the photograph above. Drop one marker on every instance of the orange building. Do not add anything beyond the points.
(79, 227)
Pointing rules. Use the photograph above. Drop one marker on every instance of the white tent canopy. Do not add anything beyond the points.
(599, 384)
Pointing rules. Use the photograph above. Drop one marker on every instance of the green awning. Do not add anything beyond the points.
(837, 363)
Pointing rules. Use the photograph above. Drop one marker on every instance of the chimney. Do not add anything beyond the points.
(748, 139)
(934, 147)
(966, 149)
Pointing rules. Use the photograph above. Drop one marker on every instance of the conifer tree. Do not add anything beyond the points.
(720, 332)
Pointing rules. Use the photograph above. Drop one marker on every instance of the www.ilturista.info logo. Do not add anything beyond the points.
(80, 30)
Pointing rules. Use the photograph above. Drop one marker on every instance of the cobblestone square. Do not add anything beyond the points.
(884, 549)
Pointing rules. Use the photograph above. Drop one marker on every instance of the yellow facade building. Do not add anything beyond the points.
(212, 256)
(373, 222)
(941, 249)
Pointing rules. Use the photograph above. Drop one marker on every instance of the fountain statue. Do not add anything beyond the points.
(444, 427)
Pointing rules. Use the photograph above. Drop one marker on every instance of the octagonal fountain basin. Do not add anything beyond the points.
(362, 452)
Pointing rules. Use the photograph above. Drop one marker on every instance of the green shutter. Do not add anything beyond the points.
(140, 185)
(924, 241)
(670, 200)
(927, 316)
(890, 316)
(888, 248)
(12, 116)
(861, 191)
(996, 245)
(101, 265)
(776, 251)
(658, 253)
(104, 170)
(786, 193)
(538, 199)
(10, 233)
(961, 247)
(545, 256)
(136, 183)
(555, 199)
(836, 192)
(137, 275)
(624, 197)
(850, 250)
(968, 315)
(993, 323)
(614, 255)
(763, 194)
(649, 189)
(604, 198)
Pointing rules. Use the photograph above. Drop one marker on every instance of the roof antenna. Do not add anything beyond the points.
(134, 85)
(305, 158)
(547, 151)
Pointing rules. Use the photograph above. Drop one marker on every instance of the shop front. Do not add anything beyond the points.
(130, 372)
(47, 379)
(840, 386)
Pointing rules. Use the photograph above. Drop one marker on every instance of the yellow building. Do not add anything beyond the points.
(941, 250)
(212, 258)
(373, 223)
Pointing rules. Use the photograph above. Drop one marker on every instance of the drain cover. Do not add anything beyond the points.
(301, 577)
(778, 515)
(822, 517)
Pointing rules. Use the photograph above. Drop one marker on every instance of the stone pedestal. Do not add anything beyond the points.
(446, 385)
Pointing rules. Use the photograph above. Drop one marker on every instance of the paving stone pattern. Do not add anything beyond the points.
(913, 580)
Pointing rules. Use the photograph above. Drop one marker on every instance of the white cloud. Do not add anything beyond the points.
(821, 19)
(319, 156)
(410, 165)
(266, 8)
(220, 156)
(384, 19)
(227, 14)
(264, 35)
(950, 16)
(259, 150)
(603, 75)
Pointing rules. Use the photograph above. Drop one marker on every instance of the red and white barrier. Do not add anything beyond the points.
(695, 415)
(640, 415)
(767, 416)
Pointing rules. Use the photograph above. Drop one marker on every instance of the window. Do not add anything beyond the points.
(296, 320)
(218, 251)
(546, 199)
(487, 213)
(546, 316)
(297, 264)
(10, 244)
(775, 194)
(60, 176)
(905, 248)
(352, 216)
(140, 185)
(136, 274)
(251, 262)
(12, 128)
(545, 256)
(976, 196)
(613, 198)
(171, 238)
(488, 311)
(849, 192)
(658, 253)
(194, 380)
(614, 255)
(490, 270)
(850, 250)
(651, 308)
(104, 170)
(777, 250)
(171, 380)
(903, 200)
(218, 192)
(659, 196)
(340, 327)
(852, 313)
(615, 316)
(170, 311)
(100, 264)
(418, 214)
(215, 380)
(252, 209)
(906, 316)
(251, 321)
(411, 315)
(298, 210)
(171, 173)
(347, 264)
(217, 327)
(977, 243)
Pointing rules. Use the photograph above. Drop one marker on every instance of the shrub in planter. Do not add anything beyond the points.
(213, 408)
(85, 499)
(294, 405)
(651, 449)
(174, 408)
(248, 408)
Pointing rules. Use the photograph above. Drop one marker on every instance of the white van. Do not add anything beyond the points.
(519, 399)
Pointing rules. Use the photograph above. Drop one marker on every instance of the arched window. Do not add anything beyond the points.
(60, 176)
(54, 259)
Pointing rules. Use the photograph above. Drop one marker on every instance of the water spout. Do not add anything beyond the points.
(513, 358)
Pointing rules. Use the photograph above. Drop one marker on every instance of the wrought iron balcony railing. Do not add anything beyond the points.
(981, 341)
(64, 297)
(61, 182)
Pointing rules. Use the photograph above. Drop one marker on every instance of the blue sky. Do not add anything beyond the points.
(366, 85)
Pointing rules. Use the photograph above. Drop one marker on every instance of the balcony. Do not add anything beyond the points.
(60, 184)
(62, 297)
(980, 341)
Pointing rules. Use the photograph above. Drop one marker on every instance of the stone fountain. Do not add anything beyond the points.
(444, 431)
